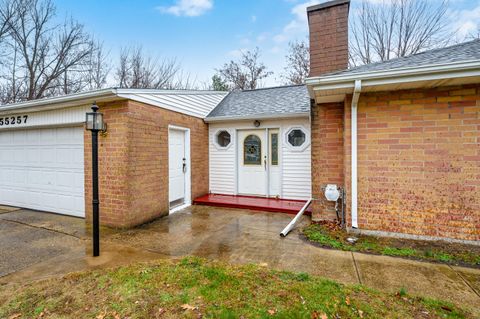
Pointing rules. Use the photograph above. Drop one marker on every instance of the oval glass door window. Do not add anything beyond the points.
(252, 150)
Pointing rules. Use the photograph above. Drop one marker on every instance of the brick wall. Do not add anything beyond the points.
(112, 156)
(133, 161)
(328, 25)
(418, 161)
(327, 155)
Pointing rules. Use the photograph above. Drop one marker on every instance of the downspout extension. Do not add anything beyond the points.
(356, 96)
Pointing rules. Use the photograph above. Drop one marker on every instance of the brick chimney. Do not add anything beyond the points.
(328, 24)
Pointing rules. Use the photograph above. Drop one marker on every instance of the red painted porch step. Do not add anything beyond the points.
(255, 203)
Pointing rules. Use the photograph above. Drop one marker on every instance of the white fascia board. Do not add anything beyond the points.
(256, 117)
(61, 101)
(374, 82)
(394, 73)
(169, 92)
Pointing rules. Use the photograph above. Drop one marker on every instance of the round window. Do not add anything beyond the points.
(223, 138)
(296, 137)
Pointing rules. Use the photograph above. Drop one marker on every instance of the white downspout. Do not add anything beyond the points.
(355, 98)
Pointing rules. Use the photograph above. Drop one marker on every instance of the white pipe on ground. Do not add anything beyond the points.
(290, 226)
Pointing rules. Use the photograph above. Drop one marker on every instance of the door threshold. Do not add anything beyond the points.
(179, 208)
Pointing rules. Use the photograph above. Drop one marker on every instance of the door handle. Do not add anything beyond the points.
(184, 167)
(265, 162)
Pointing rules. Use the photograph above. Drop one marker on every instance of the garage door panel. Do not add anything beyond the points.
(44, 170)
(19, 138)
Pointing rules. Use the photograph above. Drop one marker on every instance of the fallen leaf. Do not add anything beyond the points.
(360, 313)
(15, 316)
(347, 301)
(188, 307)
(101, 315)
(271, 311)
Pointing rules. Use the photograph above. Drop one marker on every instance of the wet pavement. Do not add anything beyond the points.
(230, 235)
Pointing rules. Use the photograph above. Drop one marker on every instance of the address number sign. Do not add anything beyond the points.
(13, 120)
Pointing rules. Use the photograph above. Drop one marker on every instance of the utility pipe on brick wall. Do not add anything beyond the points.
(355, 98)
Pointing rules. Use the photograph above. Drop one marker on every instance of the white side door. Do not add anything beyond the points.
(43, 169)
(252, 162)
(176, 167)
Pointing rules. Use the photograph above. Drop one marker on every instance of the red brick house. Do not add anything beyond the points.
(402, 136)
(152, 156)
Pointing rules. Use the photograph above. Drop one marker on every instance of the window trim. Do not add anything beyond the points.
(302, 147)
(215, 136)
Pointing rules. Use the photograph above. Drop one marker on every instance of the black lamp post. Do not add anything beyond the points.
(95, 124)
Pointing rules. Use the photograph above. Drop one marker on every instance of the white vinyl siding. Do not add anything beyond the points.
(295, 165)
(67, 116)
(222, 164)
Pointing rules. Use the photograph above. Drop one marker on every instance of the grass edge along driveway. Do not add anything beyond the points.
(329, 235)
(197, 288)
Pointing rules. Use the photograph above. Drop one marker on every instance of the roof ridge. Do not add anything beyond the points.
(271, 87)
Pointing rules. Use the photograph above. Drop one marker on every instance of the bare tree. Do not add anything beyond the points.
(7, 11)
(245, 74)
(397, 28)
(45, 58)
(474, 35)
(298, 63)
(137, 70)
(97, 68)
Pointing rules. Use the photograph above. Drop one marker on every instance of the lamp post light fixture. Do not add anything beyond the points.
(95, 124)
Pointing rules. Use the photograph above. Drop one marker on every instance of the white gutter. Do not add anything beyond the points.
(355, 98)
(347, 78)
(61, 101)
(256, 117)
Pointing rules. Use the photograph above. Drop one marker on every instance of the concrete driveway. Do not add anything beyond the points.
(54, 245)
(29, 237)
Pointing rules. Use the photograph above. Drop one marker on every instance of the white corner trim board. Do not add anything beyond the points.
(355, 98)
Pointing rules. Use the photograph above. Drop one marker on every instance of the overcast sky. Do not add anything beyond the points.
(204, 34)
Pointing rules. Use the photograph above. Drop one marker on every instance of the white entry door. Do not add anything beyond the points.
(43, 169)
(177, 166)
(252, 162)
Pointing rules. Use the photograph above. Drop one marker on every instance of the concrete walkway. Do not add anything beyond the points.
(241, 236)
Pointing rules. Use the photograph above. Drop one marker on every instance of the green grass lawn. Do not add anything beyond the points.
(327, 235)
(196, 288)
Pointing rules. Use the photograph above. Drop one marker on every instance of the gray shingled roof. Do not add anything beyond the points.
(463, 52)
(283, 100)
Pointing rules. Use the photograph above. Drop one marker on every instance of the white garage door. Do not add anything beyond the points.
(43, 169)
